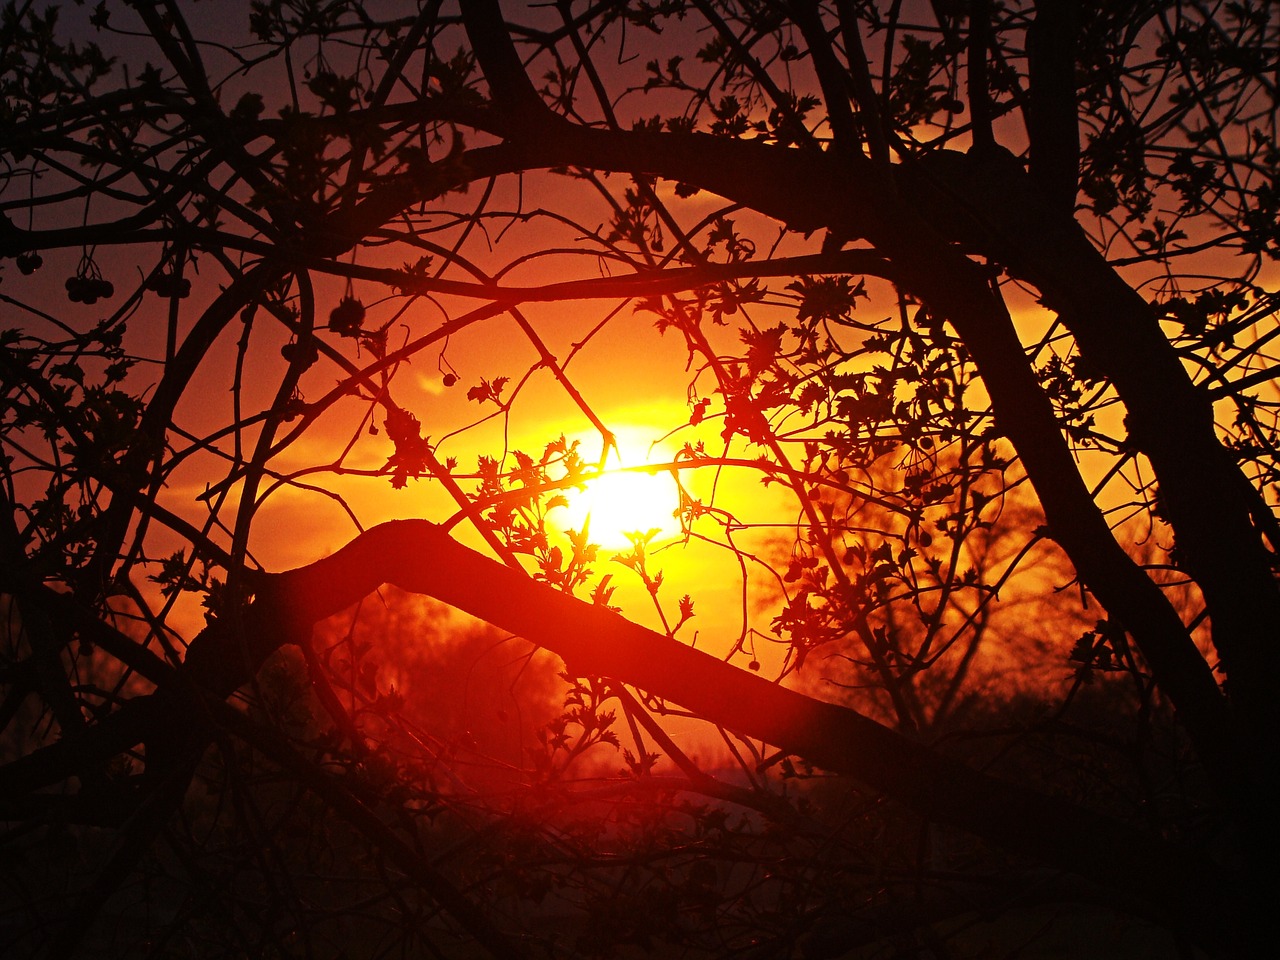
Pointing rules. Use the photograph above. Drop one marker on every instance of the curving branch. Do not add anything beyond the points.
(946, 204)
(1161, 880)
(417, 556)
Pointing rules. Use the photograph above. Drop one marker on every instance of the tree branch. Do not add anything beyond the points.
(417, 556)
(1052, 125)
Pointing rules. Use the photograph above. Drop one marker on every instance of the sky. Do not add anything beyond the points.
(640, 384)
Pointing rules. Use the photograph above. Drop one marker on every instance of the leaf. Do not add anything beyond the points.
(487, 390)
(686, 607)
(827, 298)
(603, 592)
(412, 450)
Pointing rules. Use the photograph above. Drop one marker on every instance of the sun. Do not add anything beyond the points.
(621, 501)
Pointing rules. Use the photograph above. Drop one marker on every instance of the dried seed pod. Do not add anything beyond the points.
(347, 317)
(302, 353)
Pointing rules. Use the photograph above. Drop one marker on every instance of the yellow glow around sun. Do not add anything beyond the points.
(623, 501)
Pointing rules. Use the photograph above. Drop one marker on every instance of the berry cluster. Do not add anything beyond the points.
(86, 288)
(168, 285)
(29, 263)
(347, 317)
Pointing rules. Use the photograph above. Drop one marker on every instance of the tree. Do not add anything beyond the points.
(924, 266)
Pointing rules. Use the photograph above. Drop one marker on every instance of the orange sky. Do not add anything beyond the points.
(636, 381)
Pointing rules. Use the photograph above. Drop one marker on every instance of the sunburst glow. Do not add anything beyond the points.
(621, 502)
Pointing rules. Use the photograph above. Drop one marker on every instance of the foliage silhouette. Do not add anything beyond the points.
(965, 311)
